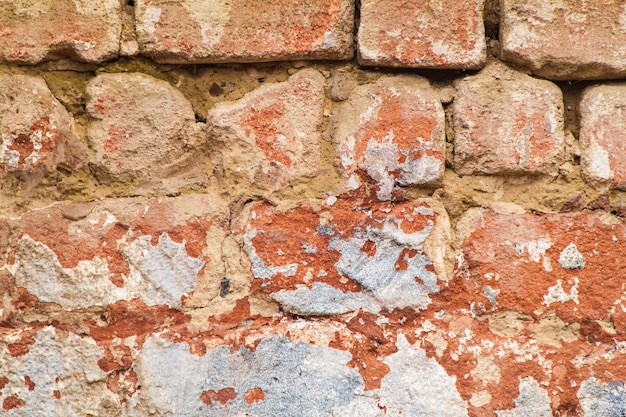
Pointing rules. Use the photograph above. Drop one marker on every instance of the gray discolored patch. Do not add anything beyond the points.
(603, 400)
(297, 379)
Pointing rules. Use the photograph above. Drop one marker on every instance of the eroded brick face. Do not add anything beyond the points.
(33, 125)
(431, 34)
(245, 31)
(271, 137)
(33, 32)
(507, 122)
(332, 260)
(601, 135)
(391, 133)
(546, 290)
(565, 40)
(144, 130)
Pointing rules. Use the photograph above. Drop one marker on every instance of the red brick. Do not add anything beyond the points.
(34, 31)
(565, 39)
(391, 133)
(602, 126)
(443, 34)
(506, 122)
(34, 128)
(270, 137)
(346, 257)
(244, 31)
(96, 254)
(143, 130)
(566, 263)
(539, 296)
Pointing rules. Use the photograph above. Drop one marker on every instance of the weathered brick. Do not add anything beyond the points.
(244, 31)
(393, 133)
(143, 130)
(506, 122)
(563, 39)
(96, 254)
(346, 257)
(271, 137)
(444, 34)
(602, 125)
(552, 262)
(283, 364)
(50, 372)
(35, 31)
(34, 126)
(532, 322)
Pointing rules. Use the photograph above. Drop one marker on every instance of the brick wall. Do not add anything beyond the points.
(312, 208)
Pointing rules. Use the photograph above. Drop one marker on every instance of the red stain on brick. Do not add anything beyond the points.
(265, 124)
(57, 394)
(417, 37)
(153, 218)
(13, 401)
(254, 395)
(3, 381)
(302, 236)
(523, 283)
(23, 346)
(24, 144)
(369, 247)
(405, 120)
(29, 383)
(134, 318)
(222, 396)
(248, 33)
(402, 262)
(118, 137)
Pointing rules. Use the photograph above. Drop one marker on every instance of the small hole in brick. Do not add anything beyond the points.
(131, 3)
(215, 90)
(261, 80)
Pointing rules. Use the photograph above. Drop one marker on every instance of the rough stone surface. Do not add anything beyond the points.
(96, 254)
(55, 373)
(392, 133)
(244, 31)
(34, 126)
(602, 124)
(344, 258)
(565, 40)
(271, 137)
(507, 123)
(144, 130)
(444, 34)
(35, 31)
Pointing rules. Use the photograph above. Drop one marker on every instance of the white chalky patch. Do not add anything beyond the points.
(556, 293)
(571, 258)
(68, 364)
(535, 248)
(602, 400)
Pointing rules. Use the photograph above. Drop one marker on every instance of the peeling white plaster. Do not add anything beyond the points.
(160, 274)
(68, 364)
